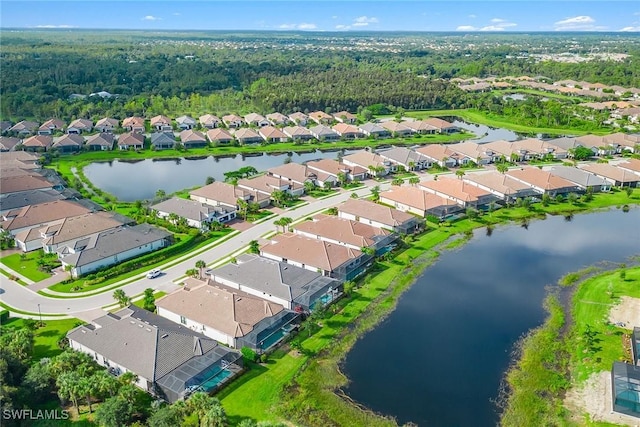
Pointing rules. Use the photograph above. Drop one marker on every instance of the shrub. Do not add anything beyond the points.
(249, 354)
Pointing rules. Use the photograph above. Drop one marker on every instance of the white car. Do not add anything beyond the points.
(153, 273)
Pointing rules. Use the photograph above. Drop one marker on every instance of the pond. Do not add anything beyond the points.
(486, 133)
(139, 180)
(439, 358)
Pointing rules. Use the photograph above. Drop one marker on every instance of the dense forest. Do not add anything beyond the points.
(240, 72)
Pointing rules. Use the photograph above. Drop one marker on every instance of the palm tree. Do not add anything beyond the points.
(414, 180)
(254, 247)
(160, 194)
(68, 389)
(192, 272)
(397, 182)
(87, 388)
(460, 173)
(200, 403)
(375, 193)
(283, 222)
(243, 208)
(106, 384)
(502, 167)
(342, 178)
(121, 297)
(412, 165)
(309, 186)
(200, 264)
(215, 417)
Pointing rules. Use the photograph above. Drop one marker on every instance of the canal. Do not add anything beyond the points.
(439, 358)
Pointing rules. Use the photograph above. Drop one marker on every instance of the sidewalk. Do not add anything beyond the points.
(15, 273)
(58, 276)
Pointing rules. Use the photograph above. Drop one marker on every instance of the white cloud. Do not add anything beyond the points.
(55, 26)
(343, 27)
(151, 18)
(302, 26)
(499, 27)
(472, 16)
(497, 20)
(177, 14)
(334, 17)
(466, 28)
(630, 29)
(578, 23)
(363, 21)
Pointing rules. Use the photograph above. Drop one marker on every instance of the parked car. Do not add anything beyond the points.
(153, 273)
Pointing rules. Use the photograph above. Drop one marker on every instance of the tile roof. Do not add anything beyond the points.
(365, 159)
(631, 164)
(38, 141)
(320, 131)
(18, 183)
(498, 182)
(416, 198)
(455, 188)
(342, 230)
(26, 198)
(225, 193)
(83, 225)
(611, 172)
(246, 133)
(33, 215)
(209, 120)
(52, 124)
(24, 125)
(297, 131)
(539, 178)
(381, 214)
(189, 209)
(346, 129)
(85, 124)
(267, 184)
(578, 176)
(269, 132)
(219, 134)
(8, 142)
(160, 120)
(131, 138)
(333, 167)
(107, 122)
(101, 139)
(133, 122)
(190, 135)
(293, 171)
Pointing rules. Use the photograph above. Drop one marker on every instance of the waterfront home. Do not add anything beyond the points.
(162, 140)
(458, 191)
(255, 119)
(5, 125)
(472, 152)
(442, 126)
(420, 127)
(79, 126)
(19, 160)
(374, 130)
(585, 180)
(617, 176)
(277, 119)
(161, 123)
(267, 184)
(299, 118)
(345, 117)
(131, 140)
(625, 385)
(193, 139)
(371, 162)
(247, 136)
(37, 143)
(347, 131)
(329, 259)
(439, 154)
(543, 182)
(107, 124)
(223, 194)
(185, 122)
(8, 143)
(24, 127)
(41, 214)
(504, 151)
(294, 172)
(419, 202)
(232, 121)
(324, 133)
(227, 315)
(333, 168)
(9, 202)
(298, 133)
(100, 142)
(379, 216)
(197, 214)
(69, 143)
(51, 126)
(631, 165)
(17, 181)
(272, 134)
(133, 124)
(598, 144)
(293, 287)
(397, 129)
(500, 185)
(409, 159)
(219, 136)
(346, 232)
(623, 142)
(534, 148)
(112, 247)
(569, 144)
(320, 117)
(168, 359)
(209, 121)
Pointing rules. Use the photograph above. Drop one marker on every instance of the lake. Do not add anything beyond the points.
(439, 358)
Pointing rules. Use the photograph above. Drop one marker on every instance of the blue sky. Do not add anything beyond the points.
(470, 15)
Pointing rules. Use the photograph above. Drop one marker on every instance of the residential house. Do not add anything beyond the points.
(232, 121)
(624, 142)
(346, 232)
(13, 201)
(69, 143)
(409, 159)
(185, 122)
(134, 124)
(321, 118)
(79, 126)
(277, 119)
(293, 172)
(5, 125)
(420, 127)
(397, 129)
(619, 177)
(379, 216)
(24, 127)
(583, 179)
(439, 154)
(107, 125)
(51, 126)
(345, 117)
(19, 160)
(131, 140)
(292, 287)
(162, 140)
(193, 139)
(442, 126)
(272, 134)
(100, 142)
(8, 143)
(255, 119)
(598, 144)
(374, 130)
(298, 133)
(112, 247)
(210, 121)
(458, 191)
(500, 185)
(299, 118)
(543, 182)
(569, 144)
(19, 182)
(197, 214)
(161, 123)
(329, 259)
(227, 315)
(625, 386)
(419, 202)
(347, 131)
(267, 184)
(41, 214)
(331, 170)
(472, 152)
(219, 136)
(169, 360)
(504, 151)
(227, 195)
(371, 162)
(324, 133)
(631, 165)
(247, 136)
(37, 143)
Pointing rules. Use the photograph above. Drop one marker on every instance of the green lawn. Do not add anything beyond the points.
(27, 267)
(157, 295)
(318, 193)
(12, 277)
(46, 338)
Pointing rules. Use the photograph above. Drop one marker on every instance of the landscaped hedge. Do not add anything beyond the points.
(4, 316)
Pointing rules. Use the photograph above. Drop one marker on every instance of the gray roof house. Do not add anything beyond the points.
(375, 130)
(186, 122)
(162, 140)
(69, 143)
(193, 138)
(26, 198)
(107, 124)
(324, 133)
(100, 142)
(582, 178)
(197, 214)
(8, 143)
(292, 287)
(409, 159)
(298, 133)
(24, 127)
(169, 359)
(51, 126)
(80, 126)
(129, 140)
(111, 247)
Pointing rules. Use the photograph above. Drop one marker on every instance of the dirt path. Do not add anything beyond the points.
(627, 312)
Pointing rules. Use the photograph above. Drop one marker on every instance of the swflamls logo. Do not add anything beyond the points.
(35, 414)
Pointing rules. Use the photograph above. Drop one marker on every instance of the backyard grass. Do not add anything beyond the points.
(46, 338)
(28, 266)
